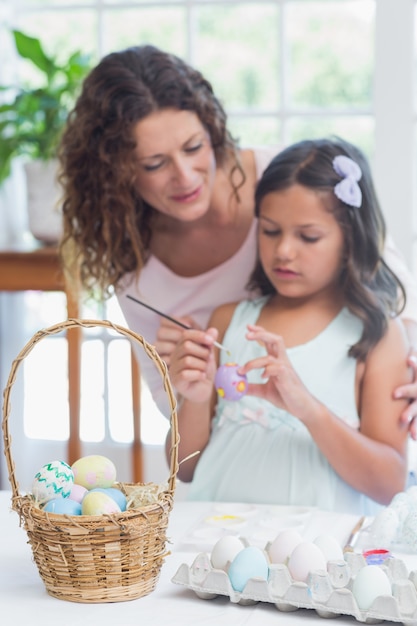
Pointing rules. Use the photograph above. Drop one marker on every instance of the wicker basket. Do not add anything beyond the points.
(109, 558)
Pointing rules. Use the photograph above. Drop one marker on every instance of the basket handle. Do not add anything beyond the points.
(73, 323)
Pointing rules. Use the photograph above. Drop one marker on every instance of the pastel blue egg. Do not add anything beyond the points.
(63, 506)
(249, 563)
(117, 495)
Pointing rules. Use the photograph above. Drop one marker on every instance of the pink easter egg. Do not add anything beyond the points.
(77, 492)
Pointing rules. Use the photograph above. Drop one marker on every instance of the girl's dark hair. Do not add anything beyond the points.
(107, 225)
(371, 289)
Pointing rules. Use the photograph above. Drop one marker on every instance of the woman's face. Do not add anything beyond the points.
(301, 245)
(176, 165)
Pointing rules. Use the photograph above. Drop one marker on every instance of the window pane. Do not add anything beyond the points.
(120, 392)
(228, 44)
(46, 410)
(414, 217)
(154, 425)
(162, 27)
(43, 309)
(331, 53)
(415, 57)
(92, 414)
(139, 2)
(45, 3)
(357, 130)
(252, 131)
(64, 35)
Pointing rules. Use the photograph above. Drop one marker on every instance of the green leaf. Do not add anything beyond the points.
(30, 48)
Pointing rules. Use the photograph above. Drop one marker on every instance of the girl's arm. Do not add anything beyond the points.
(193, 366)
(372, 459)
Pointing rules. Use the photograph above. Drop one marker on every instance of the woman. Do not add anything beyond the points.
(159, 200)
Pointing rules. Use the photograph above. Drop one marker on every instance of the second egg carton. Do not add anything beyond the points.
(329, 592)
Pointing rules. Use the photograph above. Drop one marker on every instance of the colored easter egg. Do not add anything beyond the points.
(98, 503)
(77, 492)
(249, 563)
(117, 495)
(229, 384)
(63, 506)
(53, 480)
(94, 471)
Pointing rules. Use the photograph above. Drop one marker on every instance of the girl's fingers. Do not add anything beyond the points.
(274, 344)
(267, 363)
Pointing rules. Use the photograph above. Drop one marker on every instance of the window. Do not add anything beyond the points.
(285, 70)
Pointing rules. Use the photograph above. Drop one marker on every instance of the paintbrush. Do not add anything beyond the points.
(354, 535)
(171, 319)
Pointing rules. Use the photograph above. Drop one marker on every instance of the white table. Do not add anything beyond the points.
(24, 600)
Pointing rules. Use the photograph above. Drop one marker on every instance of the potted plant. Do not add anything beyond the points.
(32, 122)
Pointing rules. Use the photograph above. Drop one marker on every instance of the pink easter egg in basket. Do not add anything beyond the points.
(229, 384)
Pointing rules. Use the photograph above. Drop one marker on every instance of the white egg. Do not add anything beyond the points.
(284, 543)
(370, 582)
(224, 551)
(385, 528)
(330, 547)
(305, 558)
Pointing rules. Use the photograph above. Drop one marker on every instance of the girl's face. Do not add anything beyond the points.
(176, 165)
(301, 245)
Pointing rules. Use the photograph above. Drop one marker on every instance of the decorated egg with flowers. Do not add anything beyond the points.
(229, 384)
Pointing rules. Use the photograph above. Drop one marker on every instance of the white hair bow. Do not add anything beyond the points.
(348, 189)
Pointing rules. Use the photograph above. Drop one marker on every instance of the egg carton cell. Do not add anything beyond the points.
(329, 592)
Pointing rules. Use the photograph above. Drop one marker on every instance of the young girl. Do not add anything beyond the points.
(322, 350)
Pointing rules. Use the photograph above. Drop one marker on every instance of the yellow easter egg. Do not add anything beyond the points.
(98, 503)
(94, 471)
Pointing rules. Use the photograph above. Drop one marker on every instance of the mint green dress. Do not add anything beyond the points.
(262, 454)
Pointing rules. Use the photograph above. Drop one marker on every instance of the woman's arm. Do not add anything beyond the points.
(372, 459)
(409, 415)
(396, 262)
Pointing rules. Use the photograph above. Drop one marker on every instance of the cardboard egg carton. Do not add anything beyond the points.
(329, 592)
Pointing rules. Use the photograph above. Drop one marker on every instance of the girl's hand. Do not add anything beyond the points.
(283, 387)
(409, 415)
(169, 334)
(193, 365)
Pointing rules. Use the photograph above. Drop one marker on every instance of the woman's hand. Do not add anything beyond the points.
(409, 415)
(168, 336)
(193, 365)
(283, 387)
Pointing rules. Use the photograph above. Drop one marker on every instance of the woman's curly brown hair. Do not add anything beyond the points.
(107, 225)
